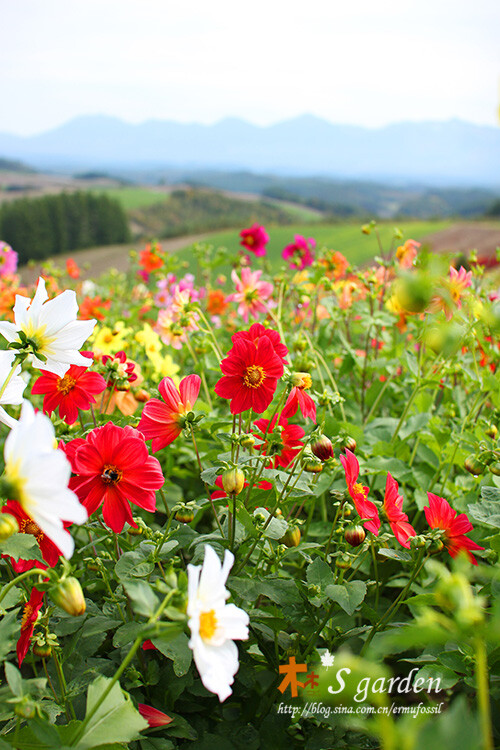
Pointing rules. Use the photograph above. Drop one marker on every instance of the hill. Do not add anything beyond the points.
(451, 152)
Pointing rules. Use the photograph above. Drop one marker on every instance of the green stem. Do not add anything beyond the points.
(206, 486)
(9, 377)
(483, 696)
(339, 510)
(68, 706)
(132, 651)
(375, 568)
(27, 573)
(396, 603)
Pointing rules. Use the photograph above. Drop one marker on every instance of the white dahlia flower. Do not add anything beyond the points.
(214, 624)
(52, 327)
(13, 393)
(37, 474)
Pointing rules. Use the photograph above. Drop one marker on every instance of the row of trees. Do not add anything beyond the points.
(40, 227)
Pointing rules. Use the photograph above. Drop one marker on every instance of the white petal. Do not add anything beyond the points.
(9, 331)
(217, 666)
(6, 418)
(35, 308)
(74, 334)
(58, 312)
(57, 534)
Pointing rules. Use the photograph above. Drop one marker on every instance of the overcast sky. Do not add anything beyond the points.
(367, 62)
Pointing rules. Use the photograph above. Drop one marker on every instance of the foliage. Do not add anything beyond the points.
(54, 224)
(399, 360)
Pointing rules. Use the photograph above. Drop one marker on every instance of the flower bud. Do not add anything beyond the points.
(322, 448)
(344, 562)
(43, 650)
(350, 443)
(355, 535)
(495, 468)
(247, 441)
(233, 481)
(312, 465)
(68, 595)
(184, 515)
(473, 465)
(292, 537)
(8, 526)
(492, 431)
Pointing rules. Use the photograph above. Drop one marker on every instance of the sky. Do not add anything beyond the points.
(364, 62)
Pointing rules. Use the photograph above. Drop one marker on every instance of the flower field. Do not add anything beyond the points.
(251, 509)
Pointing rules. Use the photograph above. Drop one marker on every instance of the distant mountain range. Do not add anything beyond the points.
(447, 153)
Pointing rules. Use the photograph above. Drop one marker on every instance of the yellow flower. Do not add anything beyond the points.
(111, 340)
(151, 342)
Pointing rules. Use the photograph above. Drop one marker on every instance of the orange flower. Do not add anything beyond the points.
(149, 258)
(216, 303)
(72, 269)
(92, 307)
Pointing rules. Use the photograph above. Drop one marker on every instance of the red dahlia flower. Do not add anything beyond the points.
(113, 469)
(287, 446)
(74, 391)
(255, 239)
(256, 332)
(29, 618)
(27, 525)
(163, 422)
(298, 398)
(251, 373)
(393, 506)
(365, 508)
(153, 716)
(440, 515)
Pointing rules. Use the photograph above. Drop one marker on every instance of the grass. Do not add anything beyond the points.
(134, 197)
(345, 237)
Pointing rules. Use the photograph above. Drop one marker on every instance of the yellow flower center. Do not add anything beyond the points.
(254, 376)
(208, 625)
(37, 335)
(301, 380)
(358, 488)
(28, 526)
(111, 474)
(66, 384)
(249, 240)
(27, 614)
(16, 484)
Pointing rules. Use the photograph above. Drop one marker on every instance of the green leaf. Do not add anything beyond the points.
(133, 565)
(320, 574)
(348, 595)
(210, 475)
(177, 649)
(487, 511)
(446, 676)
(14, 679)
(144, 600)
(277, 526)
(490, 493)
(395, 554)
(9, 632)
(116, 719)
(21, 547)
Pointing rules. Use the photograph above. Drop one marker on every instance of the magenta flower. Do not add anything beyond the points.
(251, 293)
(8, 259)
(300, 253)
(255, 239)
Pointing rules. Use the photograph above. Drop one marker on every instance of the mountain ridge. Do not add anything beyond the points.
(453, 151)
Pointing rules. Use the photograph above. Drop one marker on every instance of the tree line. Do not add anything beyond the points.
(37, 228)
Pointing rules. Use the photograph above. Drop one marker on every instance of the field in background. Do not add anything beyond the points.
(347, 238)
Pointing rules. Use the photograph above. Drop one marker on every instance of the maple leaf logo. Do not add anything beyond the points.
(327, 659)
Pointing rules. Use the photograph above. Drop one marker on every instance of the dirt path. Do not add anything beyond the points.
(462, 238)
(96, 260)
